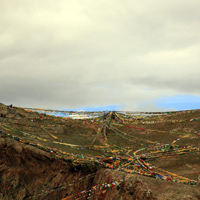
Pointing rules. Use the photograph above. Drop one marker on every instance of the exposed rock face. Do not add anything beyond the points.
(29, 173)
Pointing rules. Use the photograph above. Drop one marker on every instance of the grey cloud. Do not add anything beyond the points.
(189, 84)
(87, 53)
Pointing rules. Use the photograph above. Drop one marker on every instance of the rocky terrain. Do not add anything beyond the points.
(33, 164)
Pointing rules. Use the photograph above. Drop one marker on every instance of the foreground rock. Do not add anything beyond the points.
(29, 173)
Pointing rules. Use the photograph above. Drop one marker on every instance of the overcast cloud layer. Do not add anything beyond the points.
(75, 53)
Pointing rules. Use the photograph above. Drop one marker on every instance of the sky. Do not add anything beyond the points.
(100, 55)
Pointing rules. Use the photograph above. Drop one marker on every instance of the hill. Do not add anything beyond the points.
(118, 155)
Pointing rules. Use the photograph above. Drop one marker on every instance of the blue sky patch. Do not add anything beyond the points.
(179, 102)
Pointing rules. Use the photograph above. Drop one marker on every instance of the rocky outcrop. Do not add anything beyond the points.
(29, 173)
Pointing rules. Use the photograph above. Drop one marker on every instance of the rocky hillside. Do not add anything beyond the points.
(38, 159)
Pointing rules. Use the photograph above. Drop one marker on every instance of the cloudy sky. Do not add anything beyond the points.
(127, 55)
